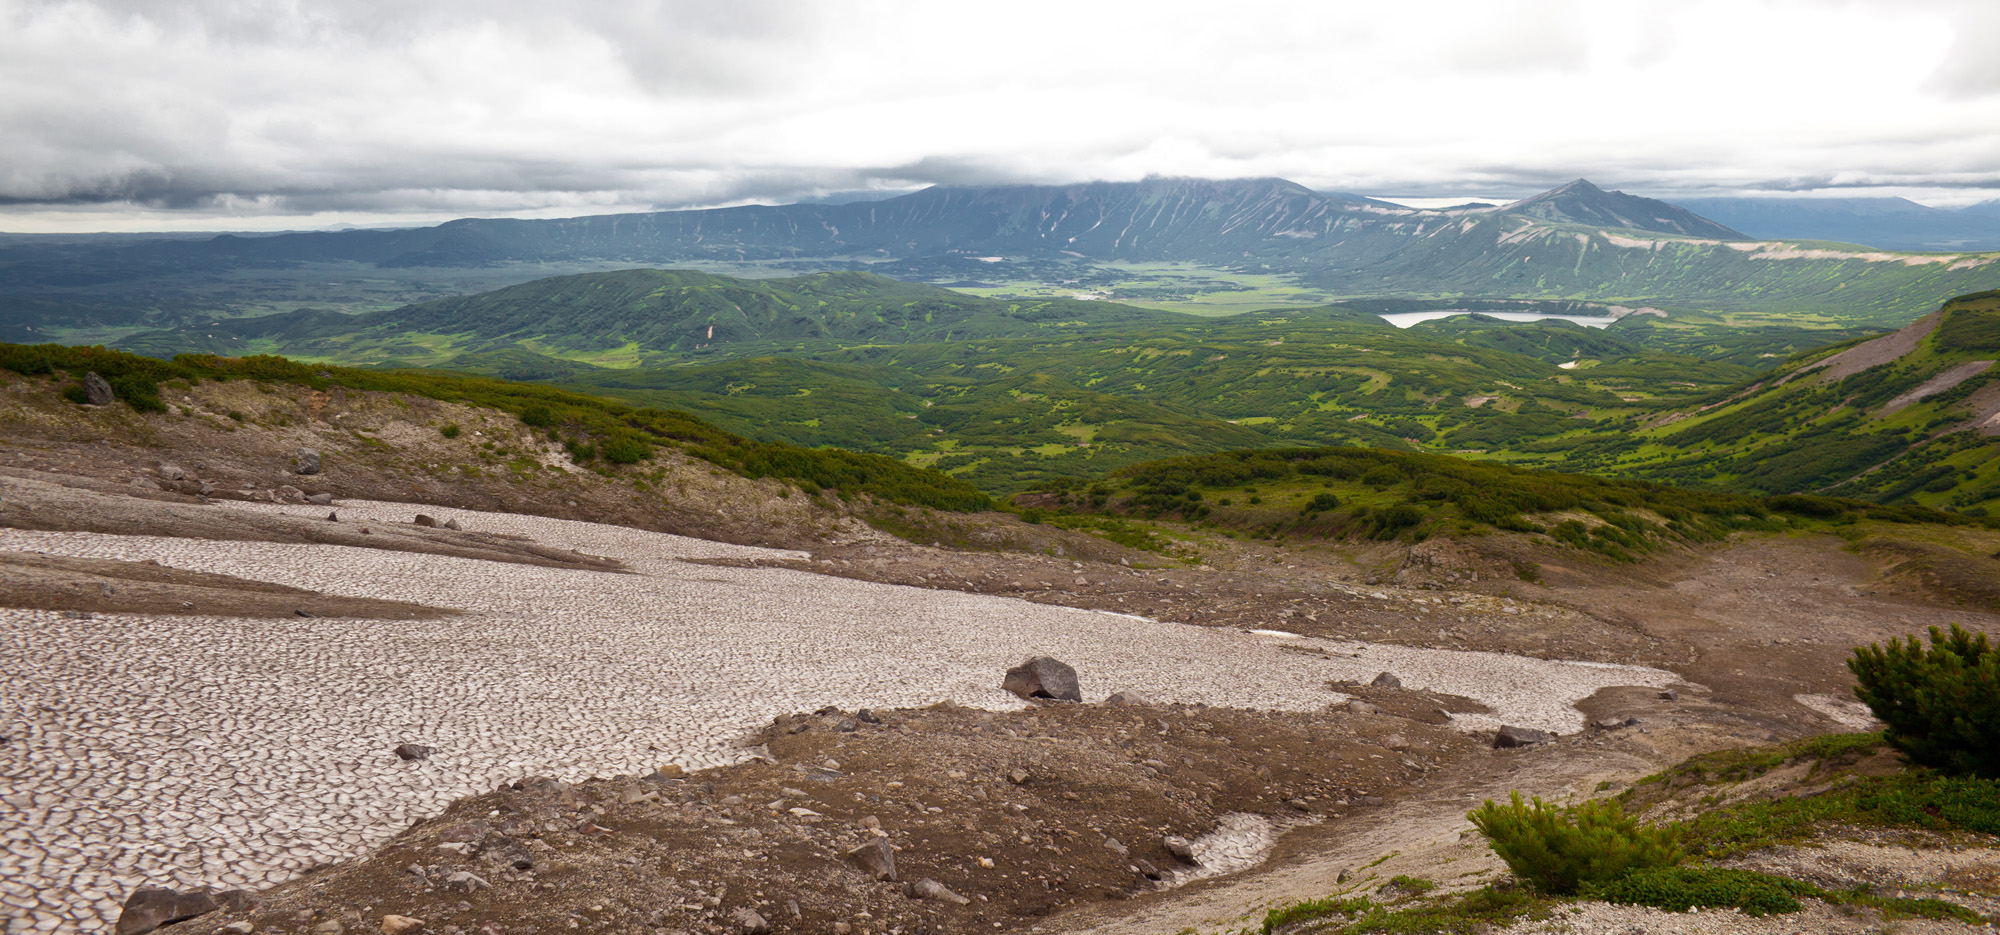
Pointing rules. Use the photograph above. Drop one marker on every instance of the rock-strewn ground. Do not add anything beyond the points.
(266, 744)
(236, 742)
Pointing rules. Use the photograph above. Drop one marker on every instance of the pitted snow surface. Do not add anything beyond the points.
(232, 752)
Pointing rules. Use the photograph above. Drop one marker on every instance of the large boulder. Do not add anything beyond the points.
(1043, 677)
(97, 390)
(307, 462)
(150, 907)
(1521, 737)
(875, 858)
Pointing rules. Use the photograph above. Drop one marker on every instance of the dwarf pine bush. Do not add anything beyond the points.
(1560, 850)
(1941, 703)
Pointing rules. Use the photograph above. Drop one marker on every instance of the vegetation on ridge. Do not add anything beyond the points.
(590, 427)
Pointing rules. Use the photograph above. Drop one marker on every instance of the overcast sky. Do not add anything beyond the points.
(245, 114)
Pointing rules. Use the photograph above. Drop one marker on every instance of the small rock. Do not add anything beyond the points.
(150, 907)
(1181, 848)
(145, 483)
(1147, 870)
(244, 927)
(749, 921)
(451, 524)
(928, 888)
(1669, 694)
(97, 390)
(400, 925)
(672, 771)
(333, 517)
(289, 493)
(1369, 800)
(413, 751)
(1396, 742)
(238, 900)
(1018, 777)
(1129, 698)
(866, 716)
(1520, 737)
(207, 488)
(1357, 706)
(1610, 723)
(467, 881)
(877, 858)
(423, 520)
(842, 928)
(1386, 680)
(329, 927)
(171, 472)
(1344, 877)
(1117, 847)
(320, 499)
(307, 462)
(1043, 677)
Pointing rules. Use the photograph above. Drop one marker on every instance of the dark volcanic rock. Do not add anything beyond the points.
(413, 751)
(876, 858)
(150, 907)
(308, 462)
(423, 520)
(97, 390)
(1520, 737)
(1043, 677)
(1387, 680)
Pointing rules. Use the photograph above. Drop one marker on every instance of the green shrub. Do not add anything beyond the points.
(450, 430)
(1941, 704)
(1320, 503)
(1678, 889)
(1559, 850)
(538, 415)
(74, 393)
(626, 450)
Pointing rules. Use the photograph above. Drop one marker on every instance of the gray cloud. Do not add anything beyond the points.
(295, 113)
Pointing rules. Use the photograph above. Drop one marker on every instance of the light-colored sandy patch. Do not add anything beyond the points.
(1937, 384)
(1845, 711)
(1871, 353)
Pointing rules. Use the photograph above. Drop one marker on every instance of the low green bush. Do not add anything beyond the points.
(1941, 703)
(1559, 850)
(1678, 889)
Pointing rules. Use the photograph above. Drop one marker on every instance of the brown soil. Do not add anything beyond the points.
(1017, 812)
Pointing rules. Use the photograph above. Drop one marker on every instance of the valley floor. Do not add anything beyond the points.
(228, 716)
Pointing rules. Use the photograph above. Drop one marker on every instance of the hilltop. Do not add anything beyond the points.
(1580, 202)
(1153, 240)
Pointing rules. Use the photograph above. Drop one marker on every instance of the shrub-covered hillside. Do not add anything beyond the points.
(592, 429)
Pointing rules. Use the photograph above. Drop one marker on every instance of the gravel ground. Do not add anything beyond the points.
(229, 752)
(1817, 918)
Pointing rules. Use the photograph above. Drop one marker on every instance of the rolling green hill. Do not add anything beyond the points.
(1909, 417)
(629, 316)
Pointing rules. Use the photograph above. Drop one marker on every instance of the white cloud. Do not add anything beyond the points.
(237, 113)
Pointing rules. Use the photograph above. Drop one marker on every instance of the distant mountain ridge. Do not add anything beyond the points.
(1576, 242)
(1886, 223)
(1580, 202)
